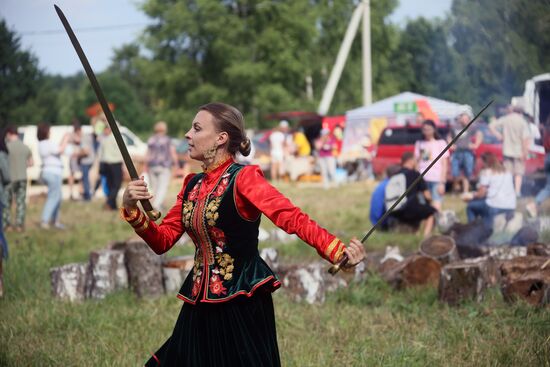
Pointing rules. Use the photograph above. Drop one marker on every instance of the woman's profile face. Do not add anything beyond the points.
(202, 135)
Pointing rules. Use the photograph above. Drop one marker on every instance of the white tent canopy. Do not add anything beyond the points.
(444, 109)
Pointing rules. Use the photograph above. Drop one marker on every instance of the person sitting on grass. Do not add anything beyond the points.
(377, 200)
(416, 207)
(495, 193)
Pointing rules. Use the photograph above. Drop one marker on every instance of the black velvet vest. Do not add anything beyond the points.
(227, 261)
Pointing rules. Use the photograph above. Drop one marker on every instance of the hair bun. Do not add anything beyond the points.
(244, 147)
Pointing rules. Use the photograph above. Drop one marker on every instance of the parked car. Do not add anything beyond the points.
(136, 147)
(394, 141)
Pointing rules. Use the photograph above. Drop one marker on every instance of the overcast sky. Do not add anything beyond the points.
(102, 25)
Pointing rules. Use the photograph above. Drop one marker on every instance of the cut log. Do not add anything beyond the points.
(414, 270)
(175, 270)
(490, 267)
(462, 281)
(538, 249)
(144, 269)
(108, 272)
(506, 252)
(526, 278)
(71, 281)
(310, 283)
(441, 248)
(271, 258)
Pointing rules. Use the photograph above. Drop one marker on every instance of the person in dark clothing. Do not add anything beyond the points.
(417, 207)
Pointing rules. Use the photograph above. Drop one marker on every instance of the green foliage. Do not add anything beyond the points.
(258, 56)
(19, 75)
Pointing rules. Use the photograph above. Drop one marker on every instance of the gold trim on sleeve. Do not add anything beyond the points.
(331, 247)
(143, 227)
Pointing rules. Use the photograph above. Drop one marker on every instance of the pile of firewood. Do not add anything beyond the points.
(131, 264)
(520, 272)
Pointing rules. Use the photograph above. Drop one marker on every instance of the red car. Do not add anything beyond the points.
(394, 141)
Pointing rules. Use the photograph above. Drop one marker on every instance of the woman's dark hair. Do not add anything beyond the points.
(11, 129)
(42, 131)
(491, 161)
(230, 120)
(432, 124)
(3, 147)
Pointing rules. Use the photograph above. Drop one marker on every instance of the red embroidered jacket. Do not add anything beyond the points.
(199, 204)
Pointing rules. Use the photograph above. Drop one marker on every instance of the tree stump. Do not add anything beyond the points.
(70, 281)
(310, 283)
(538, 249)
(414, 270)
(441, 248)
(490, 267)
(175, 270)
(506, 252)
(462, 281)
(108, 272)
(527, 278)
(271, 258)
(144, 269)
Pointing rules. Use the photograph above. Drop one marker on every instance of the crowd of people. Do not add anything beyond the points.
(292, 155)
(499, 180)
(94, 163)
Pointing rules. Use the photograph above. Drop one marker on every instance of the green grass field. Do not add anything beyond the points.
(366, 324)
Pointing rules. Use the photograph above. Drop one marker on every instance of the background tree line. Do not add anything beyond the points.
(271, 56)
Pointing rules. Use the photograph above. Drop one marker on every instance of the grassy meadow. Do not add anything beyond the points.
(366, 324)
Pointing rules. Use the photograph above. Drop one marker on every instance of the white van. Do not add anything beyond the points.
(136, 147)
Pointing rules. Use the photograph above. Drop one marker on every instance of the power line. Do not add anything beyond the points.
(83, 30)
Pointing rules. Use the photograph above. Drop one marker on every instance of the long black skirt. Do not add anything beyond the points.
(239, 332)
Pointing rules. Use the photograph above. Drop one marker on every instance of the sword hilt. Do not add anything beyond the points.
(336, 267)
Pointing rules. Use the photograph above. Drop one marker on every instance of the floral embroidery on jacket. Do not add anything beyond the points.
(216, 286)
(212, 214)
(197, 275)
(187, 213)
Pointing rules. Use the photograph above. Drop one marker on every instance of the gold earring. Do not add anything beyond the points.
(210, 152)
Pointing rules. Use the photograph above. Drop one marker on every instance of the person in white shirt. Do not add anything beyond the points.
(496, 193)
(51, 174)
(277, 140)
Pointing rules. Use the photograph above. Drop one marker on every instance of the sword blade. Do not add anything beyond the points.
(334, 269)
(106, 110)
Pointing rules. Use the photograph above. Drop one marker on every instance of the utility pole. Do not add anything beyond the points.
(336, 72)
(367, 67)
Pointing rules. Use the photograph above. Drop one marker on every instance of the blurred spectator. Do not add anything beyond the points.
(51, 174)
(513, 131)
(111, 166)
(87, 156)
(161, 156)
(426, 150)
(300, 162)
(73, 152)
(303, 149)
(495, 193)
(532, 207)
(19, 157)
(326, 148)
(416, 207)
(377, 201)
(463, 157)
(4, 182)
(277, 140)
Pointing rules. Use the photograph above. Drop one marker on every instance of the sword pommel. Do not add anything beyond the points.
(153, 214)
